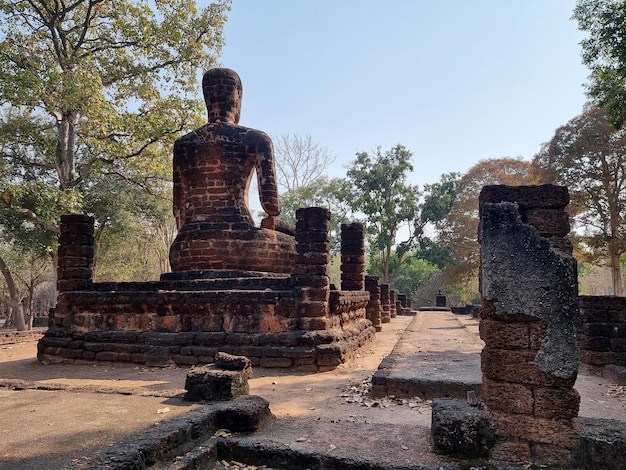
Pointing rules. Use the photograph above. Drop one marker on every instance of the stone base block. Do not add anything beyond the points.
(245, 414)
(602, 443)
(210, 383)
(460, 430)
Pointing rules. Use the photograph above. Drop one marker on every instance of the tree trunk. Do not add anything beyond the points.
(13, 302)
(616, 271)
(65, 150)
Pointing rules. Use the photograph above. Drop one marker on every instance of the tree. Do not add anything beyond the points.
(134, 229)
(377, 186)
(604, 52)
(300, 161)
(95, 87)
(589, 157)
(459, 232)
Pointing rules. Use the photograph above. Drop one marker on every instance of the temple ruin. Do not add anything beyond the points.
(263, 292)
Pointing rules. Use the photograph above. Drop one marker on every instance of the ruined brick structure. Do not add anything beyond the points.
(261, 292)
(374, 307)
(528, 320)
(602, 336)
(392, 305)
(385, 300)
(352, 256)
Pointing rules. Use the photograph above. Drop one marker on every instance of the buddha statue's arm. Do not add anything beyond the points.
(266, 174)
(179, 196)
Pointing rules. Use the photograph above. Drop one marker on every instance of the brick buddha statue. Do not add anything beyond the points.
(213, 167)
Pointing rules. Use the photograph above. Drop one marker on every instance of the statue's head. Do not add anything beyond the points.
(222, 94)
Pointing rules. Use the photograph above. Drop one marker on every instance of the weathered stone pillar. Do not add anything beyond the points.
(75, 258)
(311, 271)
(352, 257)
(392, 305)
(385, 301)
(528, 321)
(373, 308)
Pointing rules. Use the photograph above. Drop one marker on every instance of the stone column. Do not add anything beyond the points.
(352, 257)
(75, 259)
(392, 305)
(385, 300)
(528, 321)
(373, 308)
(76, 253)
(311, 271)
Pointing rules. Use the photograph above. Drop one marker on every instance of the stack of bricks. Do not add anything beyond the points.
(602, 337)
(76, 253)
(392, 304)
(528, 321)
(385, 300)
(311, 271)
(352, 257)
(374, 308)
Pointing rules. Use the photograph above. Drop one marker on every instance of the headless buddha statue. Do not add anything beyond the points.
(213, 167)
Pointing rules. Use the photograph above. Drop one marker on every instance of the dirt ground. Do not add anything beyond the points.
(90, 406)
(57, 416)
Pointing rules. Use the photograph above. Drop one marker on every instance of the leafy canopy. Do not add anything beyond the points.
(95, 86)
(604, 52)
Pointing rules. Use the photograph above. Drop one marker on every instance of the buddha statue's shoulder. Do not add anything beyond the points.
(216, 133)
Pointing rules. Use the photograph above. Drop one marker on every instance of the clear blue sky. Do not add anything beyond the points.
(454, 81)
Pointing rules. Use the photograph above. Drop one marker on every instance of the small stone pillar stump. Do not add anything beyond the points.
(224, 380)
(373, 308)
(528, 321)
(352, 256)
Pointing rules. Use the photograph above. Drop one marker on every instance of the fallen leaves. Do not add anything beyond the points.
(619, 392)
(359, 394)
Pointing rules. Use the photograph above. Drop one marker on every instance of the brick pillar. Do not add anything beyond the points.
(74, 261)
(373, 309)
(76, 252)
(392, 305)
(352, 257)
(311, 271)
(528, 321)
(385, 301)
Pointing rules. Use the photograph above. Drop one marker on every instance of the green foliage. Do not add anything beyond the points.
(91, 90)
(377, 186)
(440, 198)
(604, 52)
(92, 87)
(411, 274)
(134, 229)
